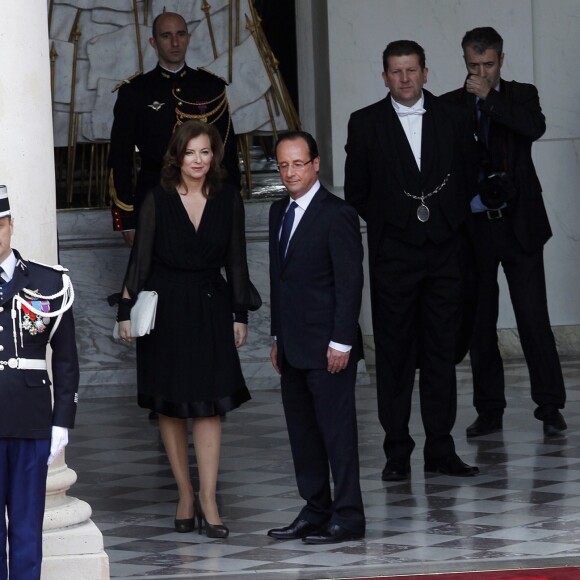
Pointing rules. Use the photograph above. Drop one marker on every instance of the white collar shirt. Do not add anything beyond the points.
(302, 202)
(8, 265)
(411, 119)
(173, 72)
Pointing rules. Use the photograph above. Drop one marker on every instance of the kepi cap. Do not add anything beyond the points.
(4, 203)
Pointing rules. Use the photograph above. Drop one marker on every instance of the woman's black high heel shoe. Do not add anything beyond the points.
(186, 525)
(211, 530)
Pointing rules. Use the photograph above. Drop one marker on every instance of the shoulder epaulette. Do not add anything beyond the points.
(126, 81)
(202, 69)
(56, 267)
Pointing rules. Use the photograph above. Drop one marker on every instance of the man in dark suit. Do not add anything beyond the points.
(409, 174)
(316, 281)
(35, 303)
(510, 226)
(149, 107)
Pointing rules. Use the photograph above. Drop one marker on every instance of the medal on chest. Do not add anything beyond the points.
(31, 321)
(423, 213)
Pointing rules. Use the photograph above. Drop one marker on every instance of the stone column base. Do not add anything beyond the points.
(74, 553)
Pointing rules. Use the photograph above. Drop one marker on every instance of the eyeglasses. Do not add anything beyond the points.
(297, 165)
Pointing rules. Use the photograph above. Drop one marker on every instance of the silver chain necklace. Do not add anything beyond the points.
(423, 211)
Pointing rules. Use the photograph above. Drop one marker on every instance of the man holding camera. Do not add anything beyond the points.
(510, 226)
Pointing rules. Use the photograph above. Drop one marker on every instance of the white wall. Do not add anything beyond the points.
(557, 154)
(541, 44)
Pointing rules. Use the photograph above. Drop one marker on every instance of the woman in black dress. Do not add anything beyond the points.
(190, 227)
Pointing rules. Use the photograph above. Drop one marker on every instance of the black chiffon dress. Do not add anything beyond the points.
(188, 366)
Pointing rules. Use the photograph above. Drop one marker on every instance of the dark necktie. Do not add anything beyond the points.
(483, 127)
(287, 224)
(2, 281)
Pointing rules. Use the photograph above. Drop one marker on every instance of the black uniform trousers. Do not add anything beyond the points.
(495, 242)
(416, 295)
(320, 412)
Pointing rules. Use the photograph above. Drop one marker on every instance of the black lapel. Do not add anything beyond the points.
(437, 141)
(497, 136)
(277, 217)
(307, 221)
(428, 142)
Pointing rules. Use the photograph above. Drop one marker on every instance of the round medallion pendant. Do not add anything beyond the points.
(422, 213)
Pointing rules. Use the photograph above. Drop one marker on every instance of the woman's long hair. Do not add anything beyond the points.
(173, 158)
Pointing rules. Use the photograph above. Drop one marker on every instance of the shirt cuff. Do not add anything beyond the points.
(340, 347)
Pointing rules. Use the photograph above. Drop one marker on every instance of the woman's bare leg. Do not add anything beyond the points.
(207, 434)
(175, 439)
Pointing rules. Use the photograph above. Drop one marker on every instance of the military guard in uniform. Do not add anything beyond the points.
(35, 311)
(150, 106)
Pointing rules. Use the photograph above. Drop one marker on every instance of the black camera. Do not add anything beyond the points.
(496, 189)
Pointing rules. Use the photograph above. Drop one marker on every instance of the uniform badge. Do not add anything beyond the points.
(31, 321)
(156, 105)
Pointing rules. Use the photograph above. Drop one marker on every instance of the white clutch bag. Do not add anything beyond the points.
(142, 314)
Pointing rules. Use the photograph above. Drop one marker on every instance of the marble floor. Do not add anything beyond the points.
(523, 510)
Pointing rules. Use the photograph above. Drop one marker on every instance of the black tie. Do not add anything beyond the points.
(483, 127)
(287, 224)
(1, 276)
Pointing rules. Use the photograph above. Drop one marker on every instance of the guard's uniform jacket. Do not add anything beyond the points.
(26, 409)
(147, 110)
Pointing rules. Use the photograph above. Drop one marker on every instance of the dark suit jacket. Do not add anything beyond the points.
(316, 294)
(26, 410)
(380, 166)
(516, 121)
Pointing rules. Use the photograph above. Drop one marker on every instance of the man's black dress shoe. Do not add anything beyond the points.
(331, 534)
(451, 465)
(396, 471)
(484, 425)
(554, 424)
(297, 529)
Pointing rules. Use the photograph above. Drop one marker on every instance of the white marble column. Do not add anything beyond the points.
(73, 546)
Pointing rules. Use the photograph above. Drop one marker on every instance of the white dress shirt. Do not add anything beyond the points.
(8, 266)
(302, 202)
(411, 119)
